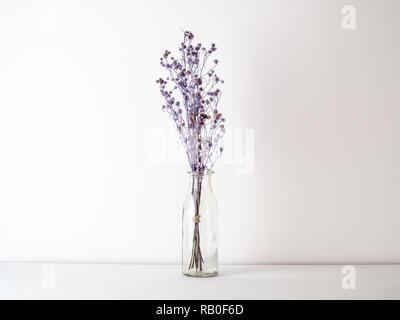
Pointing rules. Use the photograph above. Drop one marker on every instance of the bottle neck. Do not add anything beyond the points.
(200, 180)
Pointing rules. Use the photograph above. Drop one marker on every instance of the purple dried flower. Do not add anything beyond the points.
(196, 116)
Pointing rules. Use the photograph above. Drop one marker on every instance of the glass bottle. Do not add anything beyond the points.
(200, 227)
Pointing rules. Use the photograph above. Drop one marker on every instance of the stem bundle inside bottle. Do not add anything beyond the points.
(196, 260)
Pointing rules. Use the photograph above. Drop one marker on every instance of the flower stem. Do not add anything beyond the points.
(196, 260)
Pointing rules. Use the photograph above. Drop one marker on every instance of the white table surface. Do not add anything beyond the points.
(129, 281)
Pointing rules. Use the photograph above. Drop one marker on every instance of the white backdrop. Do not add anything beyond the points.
(91, 171)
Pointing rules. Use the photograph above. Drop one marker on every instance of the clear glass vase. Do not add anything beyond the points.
(200, 227)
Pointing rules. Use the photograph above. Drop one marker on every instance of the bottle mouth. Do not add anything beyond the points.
(204, 172)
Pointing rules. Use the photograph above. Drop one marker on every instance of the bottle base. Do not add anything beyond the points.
(200, 274)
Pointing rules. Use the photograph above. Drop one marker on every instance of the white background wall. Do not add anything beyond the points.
(89, 166)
